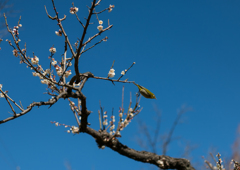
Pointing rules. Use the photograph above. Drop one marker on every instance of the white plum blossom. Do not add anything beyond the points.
(105, 123)
(120, 114)
(118, 133)
(44, 81)
(111, 73)
(69, 64)
(59, 73)
(35, 60)
(75, 129)
(110, 8)
(100, 28)
(52, 50)
(54, 62)
(35, 74)
(73, 10)
(1, 95)
(58, 33)
(47, 71)
(123, 73)
(15, 52)
(68, 73)
(100, 22)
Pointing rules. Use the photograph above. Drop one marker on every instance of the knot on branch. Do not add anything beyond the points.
(103, 139)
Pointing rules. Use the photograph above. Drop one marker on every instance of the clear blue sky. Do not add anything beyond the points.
(186, 52)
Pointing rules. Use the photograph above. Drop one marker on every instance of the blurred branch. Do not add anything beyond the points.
(169, 137)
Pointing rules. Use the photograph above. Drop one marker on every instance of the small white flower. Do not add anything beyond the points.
(35, 74)
(100, 28)
(118, 133)
(105, 123)
(44, 81)
(20, 25)
(111, 73)
(52, 50)
(68, 131)
(69, 64)
(123, 73)
(100, 22)
(47, 71)
(15, 52)
(75, 129)
(35, 60)
(68, 73)
(73, 10)
(54, 62)
(56, 123)
(120, 114)
(59, 73)
(58, 33)
(110, 8)
(1, 95)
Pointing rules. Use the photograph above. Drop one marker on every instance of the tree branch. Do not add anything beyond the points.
(161, 161)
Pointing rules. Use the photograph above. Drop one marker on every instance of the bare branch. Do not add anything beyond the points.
(29, 108)
(168, 140)
(77, 56)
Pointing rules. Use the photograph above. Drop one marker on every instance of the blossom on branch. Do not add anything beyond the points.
(35, 60)
(100, 28)
(15, 52)
(44, 81)
(58, 33)
(111, 73)
(54, 62)
(52, 50)
(68, 73)
(73, 10)
(110, 8)
(123, 73)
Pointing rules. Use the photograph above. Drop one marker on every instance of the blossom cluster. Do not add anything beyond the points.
(72, 129)
(100, 27)
(105, 123)
(112, 125)
(15, 29)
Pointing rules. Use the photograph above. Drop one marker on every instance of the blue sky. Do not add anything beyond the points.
(186, 52)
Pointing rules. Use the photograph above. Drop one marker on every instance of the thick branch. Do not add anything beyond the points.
(164, 162)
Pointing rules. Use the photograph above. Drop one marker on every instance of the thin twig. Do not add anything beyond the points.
(125, 71)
